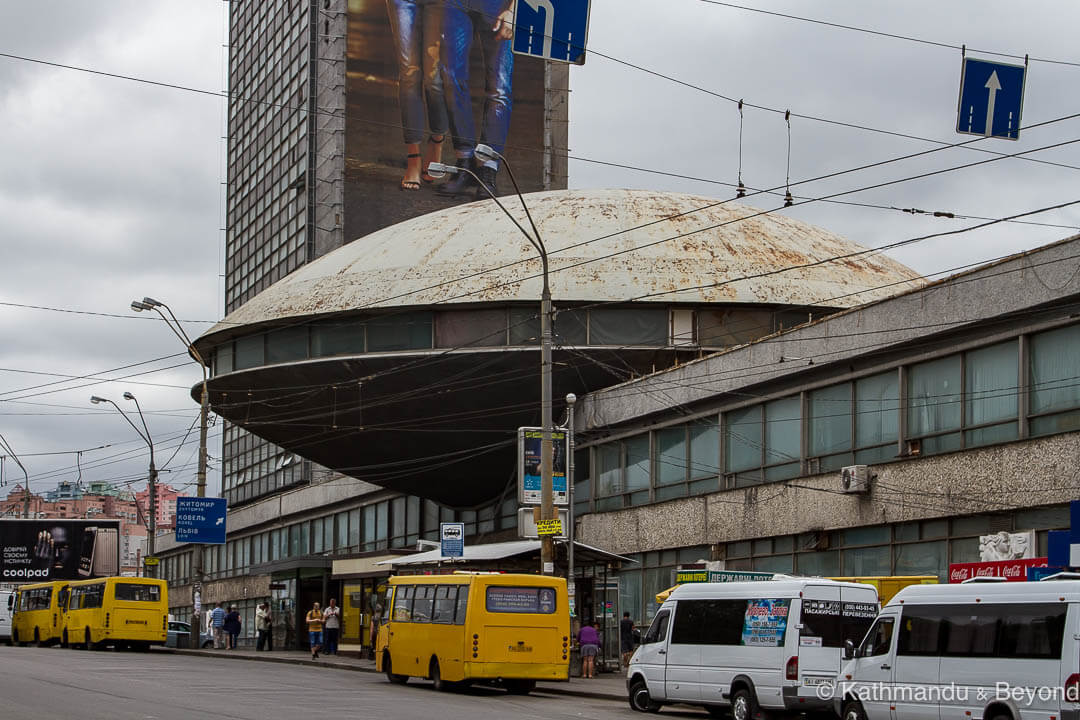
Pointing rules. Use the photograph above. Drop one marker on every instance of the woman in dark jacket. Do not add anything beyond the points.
(232, 626)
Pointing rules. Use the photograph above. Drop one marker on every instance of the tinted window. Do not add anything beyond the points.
(834, 621)
(974, 630)
(755, 622)
(138, 593)
(658, 629)
(462, 605)
(879, 639)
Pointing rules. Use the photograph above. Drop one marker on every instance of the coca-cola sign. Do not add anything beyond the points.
(1013, 570)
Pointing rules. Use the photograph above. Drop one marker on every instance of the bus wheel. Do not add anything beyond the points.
(640, 699)
(396, 679)
(520, 687)
(437, 681)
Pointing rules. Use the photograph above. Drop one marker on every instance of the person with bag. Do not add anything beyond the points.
(264, 624)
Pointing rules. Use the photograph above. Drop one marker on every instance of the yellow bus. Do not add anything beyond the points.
(37, 613)
(889, 585)
(119, 611)
(465, 627)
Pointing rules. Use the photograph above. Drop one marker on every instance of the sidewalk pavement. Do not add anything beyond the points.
(608, 686)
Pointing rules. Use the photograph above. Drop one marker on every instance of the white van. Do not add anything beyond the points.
(983, 651)
(767, 646)
(7, 598)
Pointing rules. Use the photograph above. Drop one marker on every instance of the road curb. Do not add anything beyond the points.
(550, 689)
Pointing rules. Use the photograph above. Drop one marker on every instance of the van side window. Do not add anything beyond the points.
(658, 629)
(879, 639)
(709, 622)
(1006, 630)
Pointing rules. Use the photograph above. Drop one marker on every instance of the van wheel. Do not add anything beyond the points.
(520, 687)
(396, 679)
(853, 710)
(743, 706)
(1001, 716)
(640, 699)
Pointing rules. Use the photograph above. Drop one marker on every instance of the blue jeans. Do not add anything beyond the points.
(417, 29)
(462, 19)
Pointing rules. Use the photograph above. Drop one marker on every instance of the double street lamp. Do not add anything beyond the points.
(151, 482)
(150, 304)
(547, 499)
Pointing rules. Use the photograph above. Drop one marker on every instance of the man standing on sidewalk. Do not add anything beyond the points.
(217, 621)
(332, 626)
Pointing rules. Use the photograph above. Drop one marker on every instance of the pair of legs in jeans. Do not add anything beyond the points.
(434, 40)
(417, 29)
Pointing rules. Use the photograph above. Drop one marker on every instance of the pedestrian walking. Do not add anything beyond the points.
(315, 626)
(589, 640)
(232, 626)
(331, 627)
(217, 622)
(264, 624)
(627, 641)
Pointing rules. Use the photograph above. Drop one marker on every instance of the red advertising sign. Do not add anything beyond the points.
(1008, 569)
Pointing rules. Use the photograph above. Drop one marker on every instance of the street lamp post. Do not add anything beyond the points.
(151, 483)
(547, 499)
(148, 303)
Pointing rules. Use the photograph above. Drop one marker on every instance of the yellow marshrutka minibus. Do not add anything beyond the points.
(475, 626)
(118, 611)
(38, 616)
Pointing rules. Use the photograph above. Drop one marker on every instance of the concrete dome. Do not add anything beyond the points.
(604, 245)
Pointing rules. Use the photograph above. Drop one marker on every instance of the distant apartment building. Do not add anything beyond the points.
(165, 510)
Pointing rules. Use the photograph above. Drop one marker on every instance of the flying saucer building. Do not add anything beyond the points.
(408, 358)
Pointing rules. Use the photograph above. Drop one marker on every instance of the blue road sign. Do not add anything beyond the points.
(452, 539)
(991, 97)
(551, 29)
(201, 520)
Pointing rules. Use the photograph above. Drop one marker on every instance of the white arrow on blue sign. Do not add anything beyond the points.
(991, 97)
(551, 29)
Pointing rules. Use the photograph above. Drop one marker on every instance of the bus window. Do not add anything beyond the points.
(421, 611)
(445, 600)
(137, 592)
(507, 599)
(462, 605)
(403, 597)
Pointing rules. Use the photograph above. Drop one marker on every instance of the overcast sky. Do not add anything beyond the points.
(111, 189)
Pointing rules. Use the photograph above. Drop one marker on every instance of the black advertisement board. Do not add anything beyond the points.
(41, 550)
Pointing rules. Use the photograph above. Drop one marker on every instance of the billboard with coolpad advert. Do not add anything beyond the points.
(41, 550)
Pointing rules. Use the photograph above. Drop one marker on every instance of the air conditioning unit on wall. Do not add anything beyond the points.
(855, 479)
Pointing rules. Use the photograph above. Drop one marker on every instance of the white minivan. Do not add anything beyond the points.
(770, 646)
(7, 598)
(983, 651)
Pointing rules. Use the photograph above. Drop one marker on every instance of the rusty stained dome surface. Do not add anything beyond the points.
(604, 245)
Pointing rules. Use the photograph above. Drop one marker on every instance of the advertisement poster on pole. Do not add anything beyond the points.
(529, 479)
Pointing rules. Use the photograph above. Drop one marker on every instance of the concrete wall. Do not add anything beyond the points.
(1003, 477)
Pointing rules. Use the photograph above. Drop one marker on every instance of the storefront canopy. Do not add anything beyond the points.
(501, 551)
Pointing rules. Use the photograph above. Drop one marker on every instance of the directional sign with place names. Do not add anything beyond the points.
(991, 97)
(201, 520)
(551, 29)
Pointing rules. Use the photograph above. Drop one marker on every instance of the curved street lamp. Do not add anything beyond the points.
(151, 483)
(547, 498)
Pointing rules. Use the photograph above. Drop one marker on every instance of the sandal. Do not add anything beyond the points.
(410, 185)
(431, 141)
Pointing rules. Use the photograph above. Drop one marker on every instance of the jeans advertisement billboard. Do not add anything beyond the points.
(41, 550)
(427, 81)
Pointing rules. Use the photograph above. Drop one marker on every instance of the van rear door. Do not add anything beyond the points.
(830, 616)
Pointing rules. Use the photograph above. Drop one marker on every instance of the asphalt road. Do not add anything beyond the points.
(47, 683)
